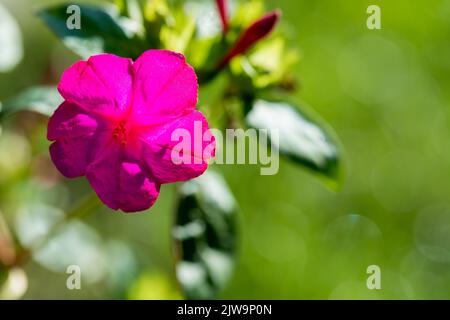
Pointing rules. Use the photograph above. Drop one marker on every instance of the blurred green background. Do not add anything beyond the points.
(385, 92)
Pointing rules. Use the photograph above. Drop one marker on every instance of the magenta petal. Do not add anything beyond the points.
(72, 156)
(74, 132)
(170, 164)
(120, 184)
(70, 121)
(165, 87)
(100, 85)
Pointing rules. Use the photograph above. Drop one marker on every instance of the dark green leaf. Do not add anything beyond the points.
(205, 236)
(301, 139)
(41, 99)
(11, 50)
(101, 30)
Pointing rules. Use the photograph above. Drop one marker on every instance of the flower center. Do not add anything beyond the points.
(120, 133)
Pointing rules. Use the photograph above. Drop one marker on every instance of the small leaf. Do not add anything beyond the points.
(206, 17)
(15, 285)
(41, 99)
(132, 16)
(205, 236)
(300, 138)
(101, 30)
(246, 12)
(156, 16)
(270, 63)
(11, 50)
(156, 9)
(177, 36)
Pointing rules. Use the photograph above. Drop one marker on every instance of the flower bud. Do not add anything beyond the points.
(255, 32)
(222, 6)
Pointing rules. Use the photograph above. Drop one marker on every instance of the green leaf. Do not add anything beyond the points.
(15, 285)
(132, 9)
(41, 99)
(101, 30)
(270, 63)
(156, 15)
(300, 138)
(206, 18)
(153, 285)
(11, 50)
(204, 236)
(177, 36)
(247, 12)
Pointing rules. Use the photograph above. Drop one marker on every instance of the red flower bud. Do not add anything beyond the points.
(222, 5)
(255, 32)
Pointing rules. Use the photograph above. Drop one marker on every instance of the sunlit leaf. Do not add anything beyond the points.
(15, 284)
(41, 99)
(205, 236)
(153, 286)
(15, 155)
(204, 54)
(132, 16)
(247, 12)
(206, 16)
(130, 8)
(176, 37)
(156, 9)
(300, 138)
(268, 64)
(101, 30)
(156, 16)
(11, 50)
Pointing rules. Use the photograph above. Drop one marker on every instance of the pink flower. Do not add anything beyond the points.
(115, 126)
